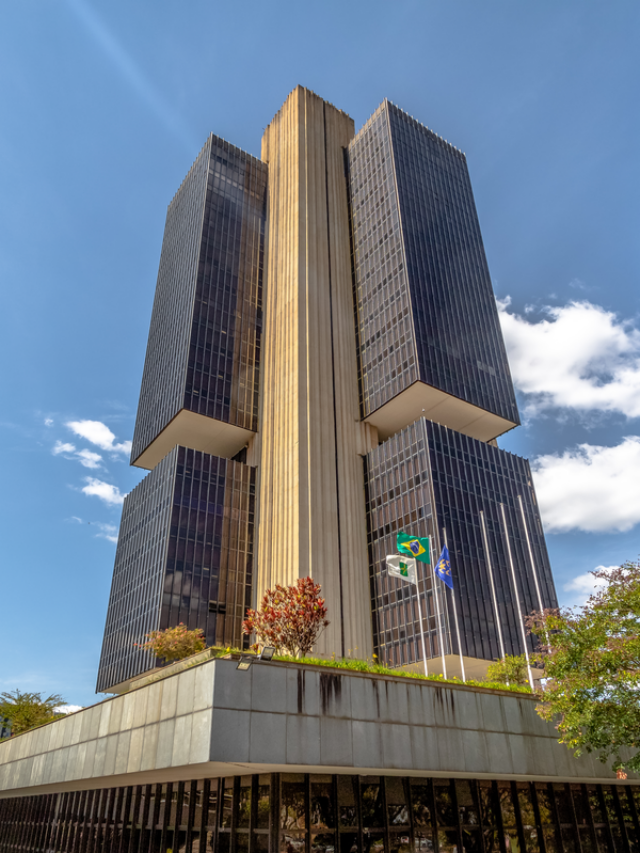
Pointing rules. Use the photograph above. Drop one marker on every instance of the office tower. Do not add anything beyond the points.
(186, 543)
(435, 382)
(295, 417)
(367, 401)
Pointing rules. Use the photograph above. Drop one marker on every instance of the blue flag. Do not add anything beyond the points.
(443, 568)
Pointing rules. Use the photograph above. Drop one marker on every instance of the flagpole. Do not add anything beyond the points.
(424, 648)
(493, 589)
(533, 565)
(515, 587)
(455, 614)
(435, 592)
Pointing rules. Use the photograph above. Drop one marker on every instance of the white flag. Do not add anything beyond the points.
(403, 567)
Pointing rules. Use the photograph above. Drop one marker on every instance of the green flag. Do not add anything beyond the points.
(415, 546)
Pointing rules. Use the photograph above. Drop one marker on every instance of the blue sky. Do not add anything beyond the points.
(104, 107)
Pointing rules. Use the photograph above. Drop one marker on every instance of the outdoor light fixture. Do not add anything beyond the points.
(245, 662)
(267, 653)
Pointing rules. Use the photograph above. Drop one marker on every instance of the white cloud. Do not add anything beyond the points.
(48, 422)
(579, 356)
(63, 447)
(582, 586)
(89, 459)
(105, 491)
(99, 434)
(590, 488)
(107, 531)
(68, 709)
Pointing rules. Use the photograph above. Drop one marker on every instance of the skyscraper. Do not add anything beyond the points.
(297, 412)
(185, 548)
(435, 382)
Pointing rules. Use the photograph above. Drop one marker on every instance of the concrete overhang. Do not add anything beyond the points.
(198, 432)
(424, 401)
(214, 720)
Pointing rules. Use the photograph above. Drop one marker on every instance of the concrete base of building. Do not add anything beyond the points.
(214, 750)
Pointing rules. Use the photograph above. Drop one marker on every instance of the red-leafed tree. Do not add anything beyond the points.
(290, 617)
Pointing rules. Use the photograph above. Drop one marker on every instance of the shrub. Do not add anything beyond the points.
(512, 669)
(174, 643)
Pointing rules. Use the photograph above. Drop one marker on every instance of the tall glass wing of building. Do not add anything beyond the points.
(185, 548)
(435, 383)
(479, 500)
(200, 379)
(429, 334)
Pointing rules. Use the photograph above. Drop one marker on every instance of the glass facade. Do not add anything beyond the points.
(386, 339)
(400, 497)
(470, 477)
(308, 813)
(426, 308)
(204, 341)
(185, 554)
(429, 480)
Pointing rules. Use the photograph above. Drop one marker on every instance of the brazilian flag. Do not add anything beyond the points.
(415, 546)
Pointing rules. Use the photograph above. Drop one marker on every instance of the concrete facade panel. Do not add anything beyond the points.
(268, 738)
(303, 739)
(268, 689)
(336, 742)
(303, 691)
(281, 715)
(230, 734)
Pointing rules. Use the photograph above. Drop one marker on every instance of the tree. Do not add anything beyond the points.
(174, 643)
(512, 669)
(25, 711)
(290, 617)
(591, 662)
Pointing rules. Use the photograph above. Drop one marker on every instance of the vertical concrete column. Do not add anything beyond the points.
(312, 512)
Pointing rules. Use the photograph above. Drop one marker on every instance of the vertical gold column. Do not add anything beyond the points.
(311, 494)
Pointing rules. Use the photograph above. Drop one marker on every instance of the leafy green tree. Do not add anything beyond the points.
(591, 662)
(25, 711)
(174, 643)
(512, 669)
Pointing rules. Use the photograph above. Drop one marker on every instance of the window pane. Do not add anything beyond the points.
(467, 796)
(263, 806)
(349, 842)
(347, 803)
(400, 843)
(551, 841)
(324, 843)
(448, 841)
(373, 842)
(397, 811)
(292, 843)
(371, 804)
(260, 843)
(322, 811)
(292, 805)
(421, 805)
(227, 803)
(445, 814)
(244, 807)
(563, 804)
(544, 805)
